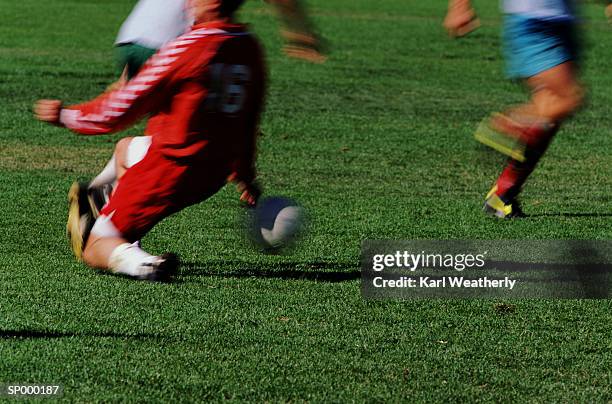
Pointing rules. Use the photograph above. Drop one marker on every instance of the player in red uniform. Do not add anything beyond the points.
(204, 93)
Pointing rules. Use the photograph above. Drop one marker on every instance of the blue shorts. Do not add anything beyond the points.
(532, 45)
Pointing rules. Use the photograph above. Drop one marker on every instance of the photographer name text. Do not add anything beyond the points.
(443, 282)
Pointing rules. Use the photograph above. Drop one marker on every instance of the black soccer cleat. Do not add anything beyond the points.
(164, 269)
(498, 207)
(80, 218)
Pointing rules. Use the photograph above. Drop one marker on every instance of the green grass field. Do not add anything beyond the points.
(376, 143)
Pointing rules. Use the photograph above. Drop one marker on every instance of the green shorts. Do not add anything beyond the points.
(132, 57)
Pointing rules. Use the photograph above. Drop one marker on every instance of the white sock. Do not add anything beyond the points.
(108, 175)
(129, 259)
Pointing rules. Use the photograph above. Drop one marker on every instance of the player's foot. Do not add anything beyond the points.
(98, 197)
(163, 269)
(496, 206)
(80, 218)
(503, 134)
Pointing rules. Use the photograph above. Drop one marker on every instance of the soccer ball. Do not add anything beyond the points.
(275, 223)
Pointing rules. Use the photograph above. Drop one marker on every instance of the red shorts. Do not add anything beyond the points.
(157, 187)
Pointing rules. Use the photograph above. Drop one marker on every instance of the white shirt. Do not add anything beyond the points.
(152, 23)
(546, 9)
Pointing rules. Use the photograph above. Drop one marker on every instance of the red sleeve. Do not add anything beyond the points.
(116, 110)
(244, 166)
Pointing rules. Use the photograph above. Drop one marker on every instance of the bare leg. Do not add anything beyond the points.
(556, 95)
(99, 249)
(107, 249)
(120, 257)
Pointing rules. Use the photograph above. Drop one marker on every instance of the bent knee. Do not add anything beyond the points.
(577, 97)
(121, 155)
(571, 100)
(122, 146)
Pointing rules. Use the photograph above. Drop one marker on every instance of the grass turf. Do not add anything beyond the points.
(376, 143)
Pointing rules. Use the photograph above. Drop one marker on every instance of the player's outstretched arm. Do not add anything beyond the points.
(460, 18)
(244, 171)
(115, 110)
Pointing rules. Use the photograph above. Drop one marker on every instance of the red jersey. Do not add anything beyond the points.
(204, 93)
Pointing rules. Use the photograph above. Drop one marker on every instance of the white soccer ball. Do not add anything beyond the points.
(276, 223)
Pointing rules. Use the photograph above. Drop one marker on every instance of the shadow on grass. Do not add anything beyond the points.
(40, 334)
(561, 214)
(313, 271)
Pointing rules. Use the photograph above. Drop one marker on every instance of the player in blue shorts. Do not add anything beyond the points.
(541, 48)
